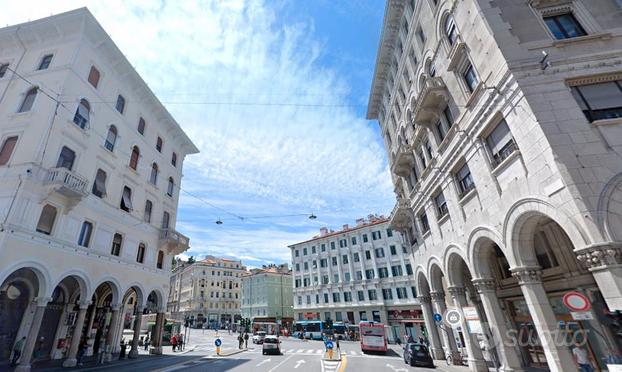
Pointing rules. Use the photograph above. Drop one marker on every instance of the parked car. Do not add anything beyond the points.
(416, 354)
(271, 345)
(258, 337)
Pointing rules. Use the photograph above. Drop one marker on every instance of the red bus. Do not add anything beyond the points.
(372, 337)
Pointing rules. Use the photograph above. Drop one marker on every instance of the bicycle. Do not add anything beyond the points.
(459, 358)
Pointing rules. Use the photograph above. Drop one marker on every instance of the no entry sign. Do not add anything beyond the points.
(576, 301)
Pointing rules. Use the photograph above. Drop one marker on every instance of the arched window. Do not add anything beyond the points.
(94, 77)
(134, 157)
(46, 219)
(111, 138)
(171, 186)
(141, 126)
(174, 159)
(120, 106)
(160, 262)
(165, 220)
(450, 30)
(117, 241)
(81, 118)
(29, 100)
(154, 174)
(140, 255)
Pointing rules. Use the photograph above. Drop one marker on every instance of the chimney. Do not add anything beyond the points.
(323, 231)
(360, 221)
(345, 227)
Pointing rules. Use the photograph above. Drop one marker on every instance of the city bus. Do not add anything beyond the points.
(339, 329)
(372, 337)
(311, 329)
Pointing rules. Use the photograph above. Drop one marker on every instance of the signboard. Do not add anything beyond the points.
(472, 320)
(329, 345)
(576, 301)
(217, 342)
(404, 314)
(453, 317)
(470, 313)
(583, 315)
(437, 317)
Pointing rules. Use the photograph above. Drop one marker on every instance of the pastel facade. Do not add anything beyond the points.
(267, 295)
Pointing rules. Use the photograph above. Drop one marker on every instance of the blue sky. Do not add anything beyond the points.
(295, 140)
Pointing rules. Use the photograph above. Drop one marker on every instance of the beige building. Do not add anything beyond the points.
(503, 125)
(361, 272)
(207, 292)
(267, 295)
(87, 229)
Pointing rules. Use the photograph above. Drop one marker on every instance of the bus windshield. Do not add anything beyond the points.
(372, 331)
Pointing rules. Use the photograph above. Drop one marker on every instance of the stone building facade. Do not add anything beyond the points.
(87, 230)
(503, 125)
(361, 272)
(267, 295)
(207, 292)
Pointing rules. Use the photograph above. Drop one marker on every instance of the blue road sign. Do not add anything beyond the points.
(217, 342)
(329, 344)
(437, 317)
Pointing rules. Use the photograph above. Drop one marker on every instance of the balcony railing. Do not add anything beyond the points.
(66, 182)
(175, 242)
(431, 101)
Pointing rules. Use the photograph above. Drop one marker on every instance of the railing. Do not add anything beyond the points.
(170, 236)
(66, 178)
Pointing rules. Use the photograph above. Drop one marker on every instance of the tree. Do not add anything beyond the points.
(191, 260)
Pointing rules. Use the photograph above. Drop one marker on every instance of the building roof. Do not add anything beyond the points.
(82, 19)
(365, 224)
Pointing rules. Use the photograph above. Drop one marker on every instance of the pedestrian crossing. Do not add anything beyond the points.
(311, 352)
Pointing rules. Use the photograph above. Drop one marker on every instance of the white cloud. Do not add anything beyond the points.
(254, 160)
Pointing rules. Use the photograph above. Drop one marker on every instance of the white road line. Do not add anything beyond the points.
(300, 350)
(278, 365)
(352, 352)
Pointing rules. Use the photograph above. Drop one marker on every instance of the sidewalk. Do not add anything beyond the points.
(441, 365)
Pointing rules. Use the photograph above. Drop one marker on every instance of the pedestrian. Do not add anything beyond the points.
(240, 341)
(180, 342)
(174, 342)
(82, 349)
(17, 350)
(123, 349)
(337, 344)
(246, 340)
(421, 341)
(580, 356)
(410, 339)
(146, 342)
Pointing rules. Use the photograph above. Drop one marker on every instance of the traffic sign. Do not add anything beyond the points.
(329, 345)
(453, 317)
(576, 301)
(437, 317)
(218, 342)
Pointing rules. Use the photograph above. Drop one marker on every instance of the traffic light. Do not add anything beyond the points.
(329, 323)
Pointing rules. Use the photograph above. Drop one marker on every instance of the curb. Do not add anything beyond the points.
(225, 354)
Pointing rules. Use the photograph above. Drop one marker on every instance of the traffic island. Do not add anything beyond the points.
(226, 353)
(331, 356)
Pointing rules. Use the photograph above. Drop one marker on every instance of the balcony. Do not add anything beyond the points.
(403, 161)
(173, 241)
(431, 101)
(401, 216)
(63, 182)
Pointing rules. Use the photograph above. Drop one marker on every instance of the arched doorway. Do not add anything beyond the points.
(103, 321)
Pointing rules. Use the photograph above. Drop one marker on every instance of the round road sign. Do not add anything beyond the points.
(329, 344)
(453, 317)
(576, 301)
(437, 317)
(217, 342)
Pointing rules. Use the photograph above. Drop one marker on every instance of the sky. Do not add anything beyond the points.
(274, 95)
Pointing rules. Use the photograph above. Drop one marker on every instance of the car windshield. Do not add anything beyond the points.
(417, 347)
(261, 333)
(270, 340)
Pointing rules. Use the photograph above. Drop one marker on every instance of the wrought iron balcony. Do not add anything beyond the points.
(67, 183)
(401, 215)
(173, 241)
(431, 101)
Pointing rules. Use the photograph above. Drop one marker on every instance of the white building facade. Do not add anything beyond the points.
(363, 272)
(267, 295)
(207, 292)
(502, 124)
(90, 168)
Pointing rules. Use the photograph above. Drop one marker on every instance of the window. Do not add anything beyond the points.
(425, 226)
(401, 293)
(29, 100)
(332, 245)
(324, 279)
(450, 30)
(421, 35)
(334, 261)
(148, 209)
(360, 295)
(500, 142)
(134, 157)
(66, 158)
(409, 269)
(117, 240)
(368, 255)
(336, 297)
(296, 253)
(359, 275)
(160, 260)
(369, 274)
(82, 115)
(297, 267)
(355, 257)
(365, 239)
(126, 199)
(154, 174)
(441, 204)
(308, 300)
(564, 26)
(389, 233)
(444, 124)
(159, 144)
(3, 69)
(465, 181)
(111, 138)
(171, 186)
(393, 250)
(413, 290)
(7, 149)
(304, 251)
(99, 186)
(313, 250)
(174, 159)
(85, 234)
(93, 77)
(346, 277)
(323, 262)
(428, 149)
(325, 298)
(46, 219)
(371, 293)
(387, 294)
(375, 235)
(120, 106)
(421, 158)
(141, 126)
(383, 272)
(544, 253)
(432, 69)
(344, 259)
(379, 252)
(306, 266)
(347, 297)
(323, 246)
(600, 101)
(140, 254)
(354, 240)
(396, 270)
(470, 78)
(45, 61)
(404, 249)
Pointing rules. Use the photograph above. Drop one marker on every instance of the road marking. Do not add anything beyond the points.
(352, 352)
(319, 351)
(298, 363)
(278, 365)
(344, 363)
(300, 350)
(263, 362)
(396, 369)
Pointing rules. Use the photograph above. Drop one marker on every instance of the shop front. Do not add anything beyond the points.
(404, 323)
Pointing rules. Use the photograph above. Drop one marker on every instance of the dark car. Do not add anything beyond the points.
(416, 354)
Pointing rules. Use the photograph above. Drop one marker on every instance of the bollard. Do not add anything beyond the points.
(218, 350)
(330, 353)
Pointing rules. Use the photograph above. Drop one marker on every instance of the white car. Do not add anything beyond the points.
(259, 337)
(271, 345)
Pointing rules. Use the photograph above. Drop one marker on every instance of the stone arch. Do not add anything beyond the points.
(44, 278)
(86, 290)
(521, 220)
(480, 241)
(435, 274)
(423, 285)
(115, 287)
(445, 9)
(140, 293)
(161, 302)
(455, 262)
(609, 216)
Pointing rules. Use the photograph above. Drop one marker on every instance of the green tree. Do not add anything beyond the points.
(191, 260)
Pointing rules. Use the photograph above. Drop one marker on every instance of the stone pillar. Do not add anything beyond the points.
(447, 334)
(114, 318)
(558, 358)
(33, 333)
(435, 343)
(604, 260)
(71, 360)
(475, 357)
(138, 319)
(508, 357)
(157, 336)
